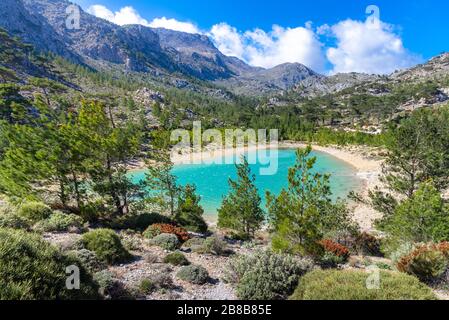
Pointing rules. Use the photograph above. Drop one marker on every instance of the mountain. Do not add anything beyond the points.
(436, 67)
(135, 48)
(179, 59)
(257, 81)
(31, 28)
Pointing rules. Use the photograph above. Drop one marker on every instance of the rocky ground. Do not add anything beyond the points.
(148, 264)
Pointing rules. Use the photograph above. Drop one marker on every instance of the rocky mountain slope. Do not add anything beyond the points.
(99, 43)
(180, 59)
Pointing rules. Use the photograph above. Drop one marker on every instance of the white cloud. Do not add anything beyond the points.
(369, 47)
(268, 49)
(128, 15)
(228, 40)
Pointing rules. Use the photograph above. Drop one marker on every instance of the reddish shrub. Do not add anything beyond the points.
(336, 249)
(160, 228)
(428, 262)
(443, 247)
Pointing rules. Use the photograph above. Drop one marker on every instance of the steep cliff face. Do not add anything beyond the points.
(31, 28)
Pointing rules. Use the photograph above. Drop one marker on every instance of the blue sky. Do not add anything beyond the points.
(339, 39)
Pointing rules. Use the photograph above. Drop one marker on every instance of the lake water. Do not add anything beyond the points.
(211, 180)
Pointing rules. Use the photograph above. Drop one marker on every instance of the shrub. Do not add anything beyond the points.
(166, 241)
(13, 221)
(106, 245)
(336, 249)
(147, 286)
(334, 254)
(193, 274)
(157, 229)
(352, 285)
(60, 222)
(130, 240)
(403, 250)
(110, 287)
(368, 245)
(194, 244)
(177, 259)
(215, 246)
(422, 218)
(190, 213)
(330, 260)
(88, 259)
(31, 269)
(34, 211)
(426, 262)
(265, 275)
(162, 281)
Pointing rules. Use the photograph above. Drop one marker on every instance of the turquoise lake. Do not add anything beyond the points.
(211, 180)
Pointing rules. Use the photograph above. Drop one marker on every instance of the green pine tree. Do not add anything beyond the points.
(241, 209)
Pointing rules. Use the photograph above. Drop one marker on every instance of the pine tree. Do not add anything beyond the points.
(303, 213)
(241, 211)
(164, 190)
(190, 213)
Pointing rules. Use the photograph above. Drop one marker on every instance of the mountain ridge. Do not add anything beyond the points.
(177, 56)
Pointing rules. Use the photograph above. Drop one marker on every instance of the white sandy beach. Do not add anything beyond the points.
(368, 169)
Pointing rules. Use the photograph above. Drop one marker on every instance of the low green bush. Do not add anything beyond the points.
(193, 274)
(215, 246)
(146, 286)
(60, 222)
(34, 211)
(352, 285)
(32, 269)
(111, 288)
(177, 259)
(106, 245)
(265, 275)
(194, 244)
(151, 232)
(330, 260)
(166, 241)
(14, 221)
(89, 260)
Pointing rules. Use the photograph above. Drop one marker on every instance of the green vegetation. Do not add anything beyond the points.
(417, 153)
(241, 211)
(190, 213)
(13, 221)
(265, 275)
(60, 222)
(352, 285)
(193, 274)
(69, 135)
(146, 286)
(303, 214)
(34, 211)
(31, 269)
(176, 258)
(106, 245)
(428, 262)
(166, 241)
(88, 259)
(424, 217)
